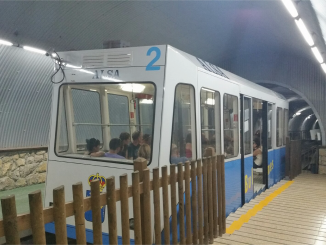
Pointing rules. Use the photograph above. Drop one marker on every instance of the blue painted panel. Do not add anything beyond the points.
(279, 164)
(248, 178)
(232, 186)
(282, 164)
(270, 168)
(71, 233)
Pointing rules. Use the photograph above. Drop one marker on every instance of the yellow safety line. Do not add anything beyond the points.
(236, 225)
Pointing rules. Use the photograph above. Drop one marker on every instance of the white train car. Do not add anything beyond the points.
(181, 101)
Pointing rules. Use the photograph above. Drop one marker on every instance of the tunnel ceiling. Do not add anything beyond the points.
(212, 30)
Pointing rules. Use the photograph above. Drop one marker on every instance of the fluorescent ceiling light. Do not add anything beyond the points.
(72, 66)
(317, 54)
(304, 31)
(36, 50)
(298, 113)
(111, 79)
(54, 55)
(3, 42)
(291, 8)
(146, 101)
(86, 71)
(131, 87)
(93, 90)
(210, 101)
(324, 67)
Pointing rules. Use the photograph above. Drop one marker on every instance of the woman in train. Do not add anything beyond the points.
(125, 140)
(258, 156)
(93, 148)
(144, 151)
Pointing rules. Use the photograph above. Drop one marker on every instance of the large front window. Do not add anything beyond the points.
(107, 122)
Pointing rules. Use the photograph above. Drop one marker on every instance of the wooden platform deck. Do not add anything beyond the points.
(291, 212)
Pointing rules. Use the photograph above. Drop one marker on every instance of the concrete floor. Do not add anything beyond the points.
(21, 196)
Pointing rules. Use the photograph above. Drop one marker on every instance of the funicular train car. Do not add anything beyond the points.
(183, 103)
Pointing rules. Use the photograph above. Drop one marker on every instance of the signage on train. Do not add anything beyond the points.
(110, 73)
(212, 68)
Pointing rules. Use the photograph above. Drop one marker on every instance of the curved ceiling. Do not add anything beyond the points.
(212, 30)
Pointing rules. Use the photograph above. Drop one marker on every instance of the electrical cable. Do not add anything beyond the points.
(59, 62)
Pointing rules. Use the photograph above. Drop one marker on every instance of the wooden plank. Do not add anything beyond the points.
(188, 203)
(112, 210)
(166, 213)
(59, 213)
(147, 208)
(181, 204)
(9, 213)
(194, 202)
(77, 192)
(157, 204)
(223, 194)
(214, 183)
(205, 199)
(136, 208)
(36, 212)
(210, 200)
(174, 204)
(124, 209)
(200, 202)
(96, 212)
(219, 195)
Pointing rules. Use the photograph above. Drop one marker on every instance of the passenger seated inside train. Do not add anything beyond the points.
(257, 153)
(115, 146)
(125, 141)
(188, 146)
(175, 157)
(144, 152)
(228, 146)
(147, 139)
(137, 139)
(93, 148)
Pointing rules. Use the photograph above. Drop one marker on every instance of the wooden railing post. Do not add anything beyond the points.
(165, 187)
(173, 186)
(200, 202)
(124, 203)
(9, 213)
(37, 220)
(210, 200)
(140, 165)
(96, 212)
(214, 183)
(219, 194)
(157, 205)
(205, 199)
(181, 204)
(59, 215)
(223, 194)
(78, 197)
(188, 203)
(147, 208)
(136, 208)
(194, 202)
(112, 210)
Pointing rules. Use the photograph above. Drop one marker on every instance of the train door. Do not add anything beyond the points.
(246, 139)
(259, 116)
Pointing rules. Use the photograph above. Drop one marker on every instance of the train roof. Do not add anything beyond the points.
(242, 82)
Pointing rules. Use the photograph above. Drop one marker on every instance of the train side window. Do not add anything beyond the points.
(183, 142)
(98, 114)
(231, 129)
(269, 125)
(210, 120)
(279, 127)
(87, 117)
(118, 114)
(247, 134)
(285, 125)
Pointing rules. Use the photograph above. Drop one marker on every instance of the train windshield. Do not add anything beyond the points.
(106, 122)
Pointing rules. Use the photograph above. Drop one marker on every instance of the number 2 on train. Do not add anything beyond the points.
(150, 66)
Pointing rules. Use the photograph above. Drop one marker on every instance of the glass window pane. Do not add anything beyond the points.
(247, 142)
(210, 118)
(183, 145)
(63, 133)
(286, 121)
(118, 114)
(101, 120)
(231, 131)
(279, 127)
(87, 116)
(269, 125)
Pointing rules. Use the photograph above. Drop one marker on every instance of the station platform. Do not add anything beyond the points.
(291, 212)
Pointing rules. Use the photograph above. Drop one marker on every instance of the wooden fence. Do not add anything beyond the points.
(293, 162)
(204, 207)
